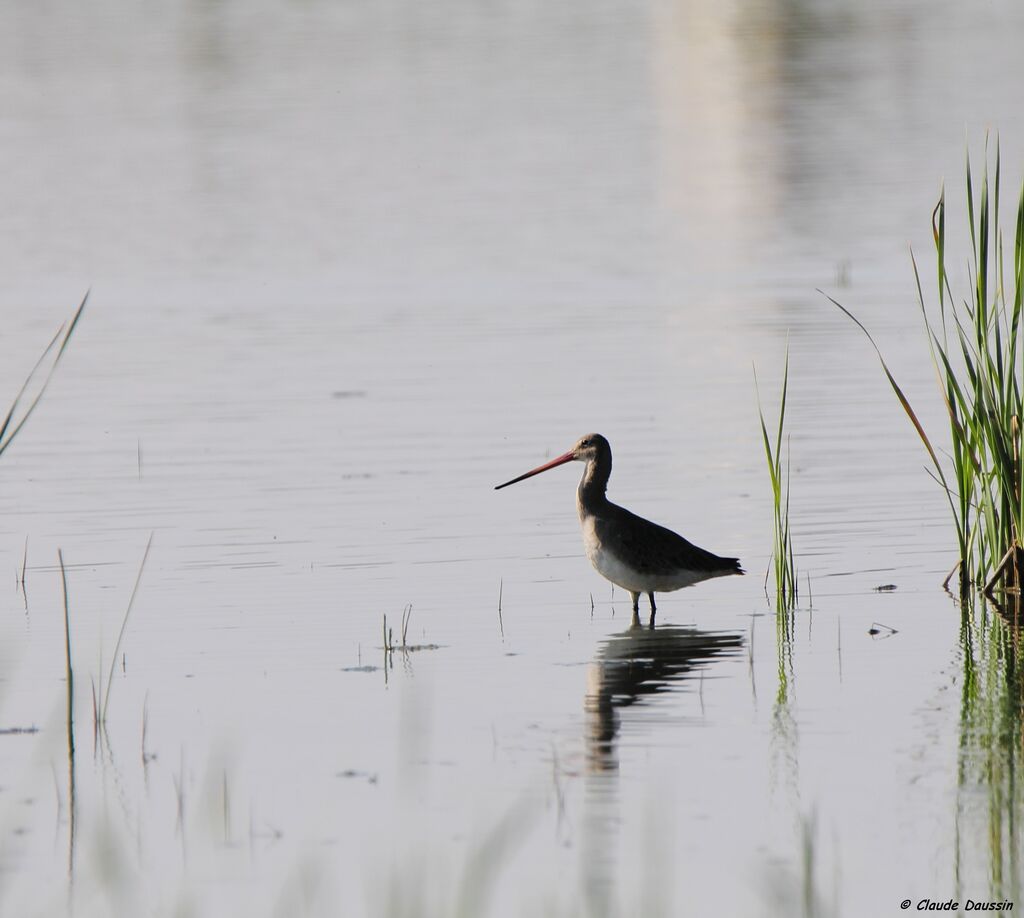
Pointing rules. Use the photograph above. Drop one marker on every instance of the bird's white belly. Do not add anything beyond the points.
(613, 568)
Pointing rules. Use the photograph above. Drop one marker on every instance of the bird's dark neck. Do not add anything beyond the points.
(590, 496)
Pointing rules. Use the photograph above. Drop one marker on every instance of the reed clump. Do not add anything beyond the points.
(976, 342)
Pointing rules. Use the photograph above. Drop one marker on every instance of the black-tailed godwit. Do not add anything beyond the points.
(631, 552)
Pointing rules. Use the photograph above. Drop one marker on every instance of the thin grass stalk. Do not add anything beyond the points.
(981, 288)
(120, 636)
(962, 535)
(5, 440)
(68, 671)
(10, 428)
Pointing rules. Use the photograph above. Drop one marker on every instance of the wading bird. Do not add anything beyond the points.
(631, 552)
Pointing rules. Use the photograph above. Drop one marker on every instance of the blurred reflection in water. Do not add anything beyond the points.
(640, 662)
(990, 793)
(631, 668)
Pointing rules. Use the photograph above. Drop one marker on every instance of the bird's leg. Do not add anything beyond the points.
(654, 608)
(636, 607)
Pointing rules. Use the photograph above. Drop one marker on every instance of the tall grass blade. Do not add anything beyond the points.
(68, 671)
(782, 552)
(120, 635)
(895, 386)
(9, 432)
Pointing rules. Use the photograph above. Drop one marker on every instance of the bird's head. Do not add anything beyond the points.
(587, 448)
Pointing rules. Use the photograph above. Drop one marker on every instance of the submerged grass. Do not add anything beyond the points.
(405, 647)
(783, 564)
(976, 344)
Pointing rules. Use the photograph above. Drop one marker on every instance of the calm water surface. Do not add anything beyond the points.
(353, 264)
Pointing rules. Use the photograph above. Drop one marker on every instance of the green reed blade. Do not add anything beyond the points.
(66, 330)
(21, 392)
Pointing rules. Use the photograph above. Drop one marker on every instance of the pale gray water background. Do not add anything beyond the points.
(352, 265)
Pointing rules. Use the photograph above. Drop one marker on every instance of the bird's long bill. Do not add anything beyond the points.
(561, 460)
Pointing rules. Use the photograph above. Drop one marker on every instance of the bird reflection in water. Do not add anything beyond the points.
(638, 663)
(631, 668)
